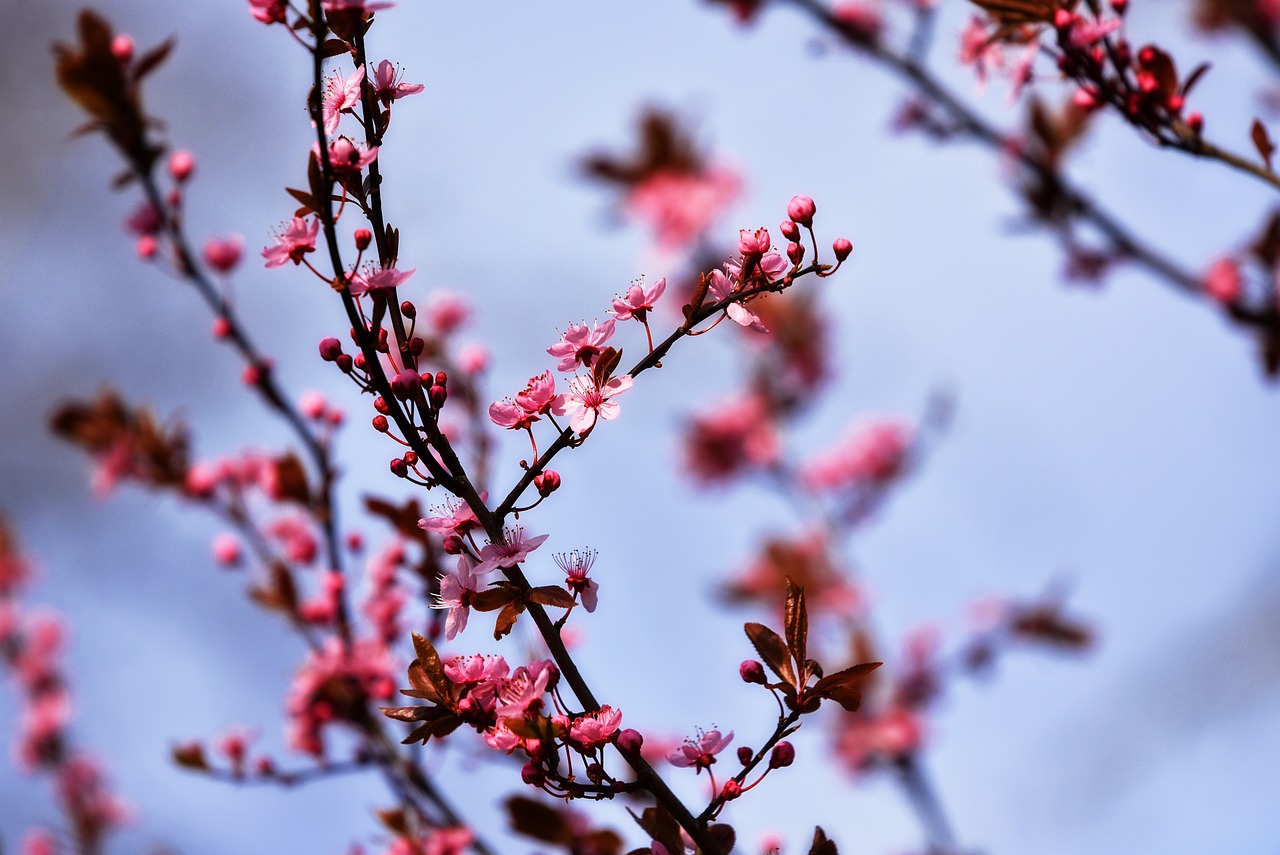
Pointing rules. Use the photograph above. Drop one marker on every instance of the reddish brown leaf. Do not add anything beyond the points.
(845, 687)
(550, 595)
(190, 756)
(507, 619)
(292, 479)
(431, 669)
(1193, 78)
(492, 599)
(151, 60)
(602, 369)
(539, 821)
(394, 820)
(691, 308)
(334, 47)
(821, 845)
(1262, 142)
(772, 649)
(797, 621)
(659, 824)
(723, 837)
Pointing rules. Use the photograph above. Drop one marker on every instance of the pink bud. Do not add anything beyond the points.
(732, 789)
(751, 671)
(442, 379)
(789, 230)
(745, 754)
(409, 310)
(437, 395)
(363, 238)
(452, 544)
(330, 349)
(801, 209)
(359, 361)
(122, 48)
(547, 482)
(1062, 19)
(1084, 99)
(411, 458)
(226, 550)
(253, 375)
(532, 775)
(182, 164)
(380, 424)
(841, 247)
(473, 358)
(344, 362)
(312, 404)
(355, 541)
(398, 467)
(223, 254)
(406, 384)
(795, 252)
(630, 741)
(1195, 122)
(1175, 103)
(221, 327)
(1120, 6)
(146, 247)
(784, 754)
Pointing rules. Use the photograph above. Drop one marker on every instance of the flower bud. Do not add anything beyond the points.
(442, 379)
(363, 238)
(355, 541)
(380, 424)
(380, 404)
(182, 164)
(1062, 19)
(360, 362)
(345, 362)
(784, 754)
(437, 395)
(409, 310)
(398, 467)
(452, 544)
(745, 754)
(122, 48)
(1120, 6)
(789, 230)
(406, 384)
(1175, 103)
(330, 349)
(254, 374)
(732, 789)
(630, 741)
(226, 550)
(751, 671)
(223, 254)
(547, 483)
(221, 327)
(1195, 122)
(146, 247)
(411, 458)
(801, 209)
(532, 775)
(795, 252)
(841, 247)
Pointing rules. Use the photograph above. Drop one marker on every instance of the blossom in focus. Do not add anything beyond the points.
(340, 95)
(346, 157)
(514, 550)
(581, 345)
(700, 751)
(721, 288)
(456, 591)
(584, 402)
(638, 301)
(576, 565)
(455, 518)
(680, 206)
(524, 689)
(595, 728)
(297, 239)
(387, 86)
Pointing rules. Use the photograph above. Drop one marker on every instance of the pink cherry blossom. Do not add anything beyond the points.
(978, 49)
(771, 264)
(581, 345)
(700, 751)
(721, 288)
(680, 206)
(445, 311)
(753, 243)
(346, 157)
(513, 550)
(298, 238)
(638, 301)
(340, 95)
(387, 86)
(583, 403)
(576, 565)
(539, 394)
(524, 689)
(375, 278)
(595, 728)
(269, 11)
(865, 739)
(873, 452)
(730, 438)
(456, 591)
(510, 415)
(454, 518)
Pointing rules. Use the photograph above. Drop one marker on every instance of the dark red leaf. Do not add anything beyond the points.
(772, 649)
(1262, 142)
(797, 621)
(550, 595)
(151, 60)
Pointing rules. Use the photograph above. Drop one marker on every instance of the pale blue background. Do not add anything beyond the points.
(1119, 438)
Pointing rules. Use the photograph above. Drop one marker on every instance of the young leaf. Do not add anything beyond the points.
(772, 649)
(432, 668)
(551, 595)
(797, 618)
(821, 845)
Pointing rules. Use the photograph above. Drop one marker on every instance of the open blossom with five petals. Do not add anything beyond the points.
(375, 278)
(721, 287)
(595, 728)
(456, 518)
(638, 301)
(340, 95)
(580, 345)
(514, 549)
(297, 239)
(346, 157)
(523, 691)
(771, 264)
(700, 752)
(456, 591)
(387, 86)
(584, 401)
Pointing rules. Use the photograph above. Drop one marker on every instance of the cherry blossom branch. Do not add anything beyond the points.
(1075, 202)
